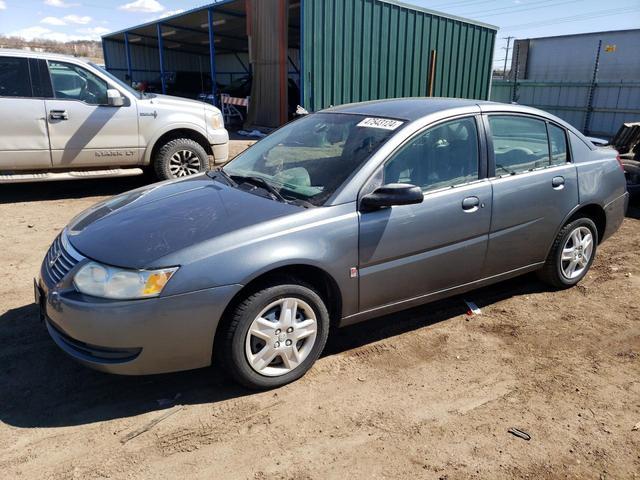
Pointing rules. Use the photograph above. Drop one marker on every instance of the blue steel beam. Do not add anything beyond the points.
(212, 55)
(127, 50)
(293, 64)
(246, 69)
(193, 30)
(231, 14)
(104, 54)
(189, 44)
(301, 50)
(219, 50)
(161, 53)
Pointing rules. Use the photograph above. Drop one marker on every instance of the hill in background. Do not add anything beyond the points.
(80, 48)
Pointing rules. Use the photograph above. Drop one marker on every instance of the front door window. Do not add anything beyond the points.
(441, 156)
(71, 82)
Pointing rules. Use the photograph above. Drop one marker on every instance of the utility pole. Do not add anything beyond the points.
(506, 55)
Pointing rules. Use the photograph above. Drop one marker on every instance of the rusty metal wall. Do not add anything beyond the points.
(267, 27)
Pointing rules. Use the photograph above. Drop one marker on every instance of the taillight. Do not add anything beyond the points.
(620, 162)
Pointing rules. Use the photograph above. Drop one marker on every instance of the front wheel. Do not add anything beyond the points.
(274, 336)
(180, 157)
(571, 255)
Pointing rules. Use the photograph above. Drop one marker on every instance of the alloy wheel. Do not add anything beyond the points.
(576, 252)
(184, 163)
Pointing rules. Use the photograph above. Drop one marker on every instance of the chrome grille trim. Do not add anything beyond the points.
(60, 259)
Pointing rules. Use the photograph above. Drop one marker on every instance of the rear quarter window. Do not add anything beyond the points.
(558, 143)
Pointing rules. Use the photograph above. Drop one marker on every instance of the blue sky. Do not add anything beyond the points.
(79, 19)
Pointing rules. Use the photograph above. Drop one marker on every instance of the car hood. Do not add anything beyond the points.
(171, 101)
(136, 228)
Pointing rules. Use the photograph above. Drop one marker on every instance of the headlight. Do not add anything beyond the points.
(216, 120)
(117, 283)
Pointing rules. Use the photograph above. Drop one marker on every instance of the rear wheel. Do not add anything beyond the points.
(571, 255)
(180, 157)
(274, 336)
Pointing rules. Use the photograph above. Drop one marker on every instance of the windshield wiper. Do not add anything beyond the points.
(261, 183)
(220, 172)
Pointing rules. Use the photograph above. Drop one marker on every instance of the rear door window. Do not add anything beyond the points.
(520, 144)
(14, 77)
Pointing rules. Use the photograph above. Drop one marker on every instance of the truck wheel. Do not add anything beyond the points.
(274, 336)
(571, 255)
(179, 158)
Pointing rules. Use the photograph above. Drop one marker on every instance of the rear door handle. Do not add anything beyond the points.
(557, 183)
(58, 115)
(470, 204)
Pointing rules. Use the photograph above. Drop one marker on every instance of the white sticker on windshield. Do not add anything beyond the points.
(384, 123)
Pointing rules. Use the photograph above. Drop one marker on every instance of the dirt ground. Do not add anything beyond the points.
(429, 393)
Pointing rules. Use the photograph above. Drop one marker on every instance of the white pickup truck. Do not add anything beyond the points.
(63, 118)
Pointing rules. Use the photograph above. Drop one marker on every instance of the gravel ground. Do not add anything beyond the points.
(428, 393)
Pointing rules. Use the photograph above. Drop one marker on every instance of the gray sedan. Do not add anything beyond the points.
(338, 217)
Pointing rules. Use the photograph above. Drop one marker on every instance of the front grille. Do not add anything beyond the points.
(60, 259)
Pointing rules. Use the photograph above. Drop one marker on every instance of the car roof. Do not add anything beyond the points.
(415, 108)
(407, 108)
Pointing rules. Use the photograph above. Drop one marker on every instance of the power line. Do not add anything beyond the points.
(506, 55)
(519, 8)
(459, 4)
(574, 18)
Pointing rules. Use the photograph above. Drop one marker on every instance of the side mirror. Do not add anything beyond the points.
(390, 195)
(114, 98)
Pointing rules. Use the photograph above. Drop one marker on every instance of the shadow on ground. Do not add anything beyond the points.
(43, 388)
(70, 189)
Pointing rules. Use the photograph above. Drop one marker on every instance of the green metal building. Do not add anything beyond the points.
(356, 50)
(324, 52)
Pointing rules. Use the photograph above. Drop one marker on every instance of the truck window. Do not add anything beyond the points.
(71, 82)
(14, 77)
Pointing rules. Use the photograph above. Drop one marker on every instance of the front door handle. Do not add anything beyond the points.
(470, 204)
(58, 115)
(557, 183)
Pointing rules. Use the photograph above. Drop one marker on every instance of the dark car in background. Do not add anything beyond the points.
(338, 217)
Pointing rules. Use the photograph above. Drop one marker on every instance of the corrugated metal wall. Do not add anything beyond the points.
(612, 104)
(145, 61)
(571, 58)
(358, 50)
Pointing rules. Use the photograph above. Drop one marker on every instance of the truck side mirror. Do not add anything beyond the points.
(114, 98)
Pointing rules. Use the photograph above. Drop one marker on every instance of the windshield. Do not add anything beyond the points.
(310, 158)
(117, 80)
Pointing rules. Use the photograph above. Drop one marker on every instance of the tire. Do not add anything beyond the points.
(179, 158)
(237, 346)
(555, 270)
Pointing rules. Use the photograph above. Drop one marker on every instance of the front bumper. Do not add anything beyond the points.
(140, 337)
(219, 140)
